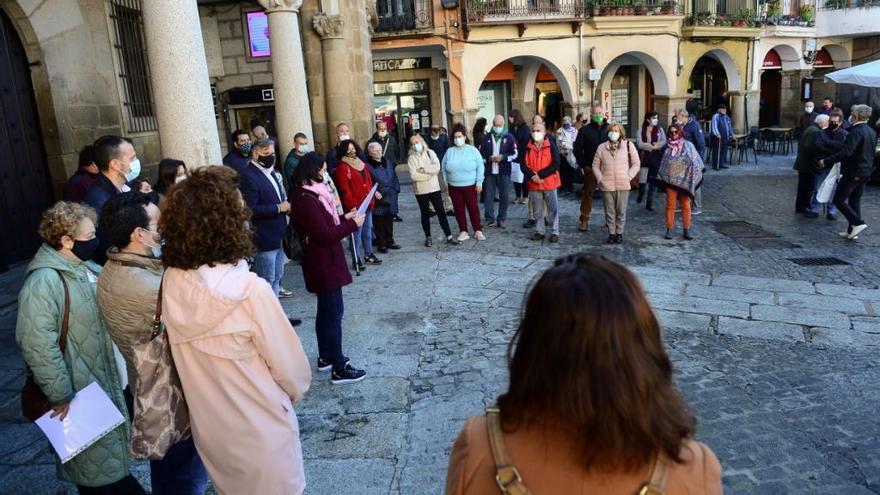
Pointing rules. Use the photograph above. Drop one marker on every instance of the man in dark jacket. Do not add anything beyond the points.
(499, 150)
(828, 142)
(118, 163)
(856, 164)
(263, 191)
(86, 174)
(387, 141)
(588, 140)
(439, 142)
(806, 164)
(693, 131)
(240, 154)
(808, 117)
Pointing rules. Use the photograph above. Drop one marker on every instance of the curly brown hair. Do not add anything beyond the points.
(204, 221)
(62, 219)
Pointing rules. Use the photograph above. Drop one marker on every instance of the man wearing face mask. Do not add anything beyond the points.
(499, 152)
(127, 290)
(721, 132)
(828, 142)
(808, 117)
(263, 191)
(118, 163)
(240, 154)
(588, 140)
(565, 138)
(386, 140)
(300, 148)
(333, 157)
(540, 165)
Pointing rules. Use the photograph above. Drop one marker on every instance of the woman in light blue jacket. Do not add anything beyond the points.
(463, 170)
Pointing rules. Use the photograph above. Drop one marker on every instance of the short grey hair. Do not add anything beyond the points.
(263, 143)
(822, 118)
(682, 112)
(566, 120)
(373, 144)
(860, 113)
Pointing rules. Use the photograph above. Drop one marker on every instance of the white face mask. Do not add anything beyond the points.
(538, 136)
(383, 133)
(459, 141)
(613, 136)
(654, 122)
(344, 137)
(808, 109)
(418, 147)
(179, 179)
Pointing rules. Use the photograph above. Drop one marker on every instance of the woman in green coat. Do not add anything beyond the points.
(68, 232)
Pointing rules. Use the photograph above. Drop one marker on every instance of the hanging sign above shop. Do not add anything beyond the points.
(401, 64)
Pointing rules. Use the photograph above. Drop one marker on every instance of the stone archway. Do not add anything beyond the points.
(628, 87)
(731, 71)
(839, 55)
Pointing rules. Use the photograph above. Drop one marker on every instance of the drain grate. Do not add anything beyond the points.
(818, 261)
(739, 229)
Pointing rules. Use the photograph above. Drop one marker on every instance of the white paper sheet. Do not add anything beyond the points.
(92, 415)
(362, 209)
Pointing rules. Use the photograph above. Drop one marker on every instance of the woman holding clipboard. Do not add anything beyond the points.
(355, 182)
(321, 229)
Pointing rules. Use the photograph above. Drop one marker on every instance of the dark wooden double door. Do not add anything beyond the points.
(25, 189)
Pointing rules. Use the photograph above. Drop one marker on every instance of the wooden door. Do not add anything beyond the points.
(771, 87)
(25, 189)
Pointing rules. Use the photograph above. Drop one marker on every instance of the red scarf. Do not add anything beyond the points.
(655, 133)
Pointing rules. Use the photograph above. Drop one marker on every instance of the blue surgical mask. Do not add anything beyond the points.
(302, 149)
(135, 166)
(497, 130)
(459, 141)
(417, 147)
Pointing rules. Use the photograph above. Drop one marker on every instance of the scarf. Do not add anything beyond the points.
(676, 144)
(684, 171)
(655, 134)
(325, 197)
(354, 163)
(499, 135)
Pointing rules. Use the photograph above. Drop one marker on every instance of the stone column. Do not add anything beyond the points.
(738, 110)
(753, 108)
(337, 92)
(181, 88)
(665, 105)
(292, 111)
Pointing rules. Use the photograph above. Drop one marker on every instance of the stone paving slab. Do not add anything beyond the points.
(848, 291)
(760, 329)
(801, 316)
(757, 283)
(731, 294)
(826, 303)
(699, 305)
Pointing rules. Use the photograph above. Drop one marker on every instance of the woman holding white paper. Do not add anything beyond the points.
(68, 232)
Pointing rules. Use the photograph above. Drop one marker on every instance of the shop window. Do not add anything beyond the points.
(133, 68)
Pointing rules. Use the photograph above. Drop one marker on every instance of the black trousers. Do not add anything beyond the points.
(383, 227)
(125, 486)
(848, 199)
(804, 192)
(434, 198)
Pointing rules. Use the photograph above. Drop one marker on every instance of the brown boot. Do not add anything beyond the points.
(583, 227)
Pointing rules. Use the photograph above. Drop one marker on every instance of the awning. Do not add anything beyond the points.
(867, 75)
(823, 60)
(772, 60)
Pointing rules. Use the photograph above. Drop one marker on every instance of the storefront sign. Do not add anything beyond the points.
(401, 64)
(595, 74)
(393, 88)
(486, 104)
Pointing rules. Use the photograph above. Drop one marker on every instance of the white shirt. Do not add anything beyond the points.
(270, 174)
(496, 150)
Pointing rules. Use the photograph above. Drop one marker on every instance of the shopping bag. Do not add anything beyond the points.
(829, 185)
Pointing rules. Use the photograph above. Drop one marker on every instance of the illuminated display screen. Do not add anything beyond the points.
(258, 34)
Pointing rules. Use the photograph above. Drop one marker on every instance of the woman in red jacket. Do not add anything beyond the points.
(354, 182)
(321, 230)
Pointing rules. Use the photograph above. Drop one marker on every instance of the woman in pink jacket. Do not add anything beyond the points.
(615, 164)
(241, 364)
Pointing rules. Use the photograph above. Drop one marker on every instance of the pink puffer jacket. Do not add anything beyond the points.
(614, 170)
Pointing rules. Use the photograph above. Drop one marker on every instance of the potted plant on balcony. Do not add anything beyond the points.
(774, 10)
(640, 8)
(668, 7)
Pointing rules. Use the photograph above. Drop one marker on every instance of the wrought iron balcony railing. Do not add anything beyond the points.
(397, 16)
(634, 7)
(488, 11)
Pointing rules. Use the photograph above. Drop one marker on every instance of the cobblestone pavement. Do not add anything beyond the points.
(777, 360)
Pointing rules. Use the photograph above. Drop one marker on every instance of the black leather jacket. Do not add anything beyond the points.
(856, 157)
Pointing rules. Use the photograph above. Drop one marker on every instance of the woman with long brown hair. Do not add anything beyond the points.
(613, 423)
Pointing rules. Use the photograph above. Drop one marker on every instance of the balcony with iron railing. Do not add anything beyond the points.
(403, 17)
(723, 18)
(520, 11)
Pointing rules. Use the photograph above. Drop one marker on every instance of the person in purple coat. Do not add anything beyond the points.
(321, 229)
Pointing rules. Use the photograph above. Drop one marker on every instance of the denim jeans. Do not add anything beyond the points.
(328, 328)
(363, 238)
(180, 472)
(269, 265)
(815, 205)
(500, 183)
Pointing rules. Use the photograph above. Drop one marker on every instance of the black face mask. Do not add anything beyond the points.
(267, 161)
(84, 250)
(832, 126)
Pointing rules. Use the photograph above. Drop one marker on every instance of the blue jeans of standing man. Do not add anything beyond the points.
(500, 183)
(815, 205)
(269, 265)
(180, 472)
(328, 328)
(363, 238)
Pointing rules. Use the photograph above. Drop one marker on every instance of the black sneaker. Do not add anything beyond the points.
(373, 260)
(348, 374)
(325, 366)
(490, 223)
(452, 241)
(831, 216)
(397, 218)
(295, 322)
(529, 224)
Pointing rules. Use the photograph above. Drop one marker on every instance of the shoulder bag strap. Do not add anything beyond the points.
(507, 476)
(660, 473)
(62, 339)
(157, 317)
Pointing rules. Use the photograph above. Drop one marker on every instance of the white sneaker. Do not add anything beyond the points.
(844, 234)
(478, 235)
(696, 211)
(858, 229)
(463, 236)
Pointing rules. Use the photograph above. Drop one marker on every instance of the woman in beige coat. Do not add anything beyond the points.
(424, 170)
(241, 364)
(614, 168)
